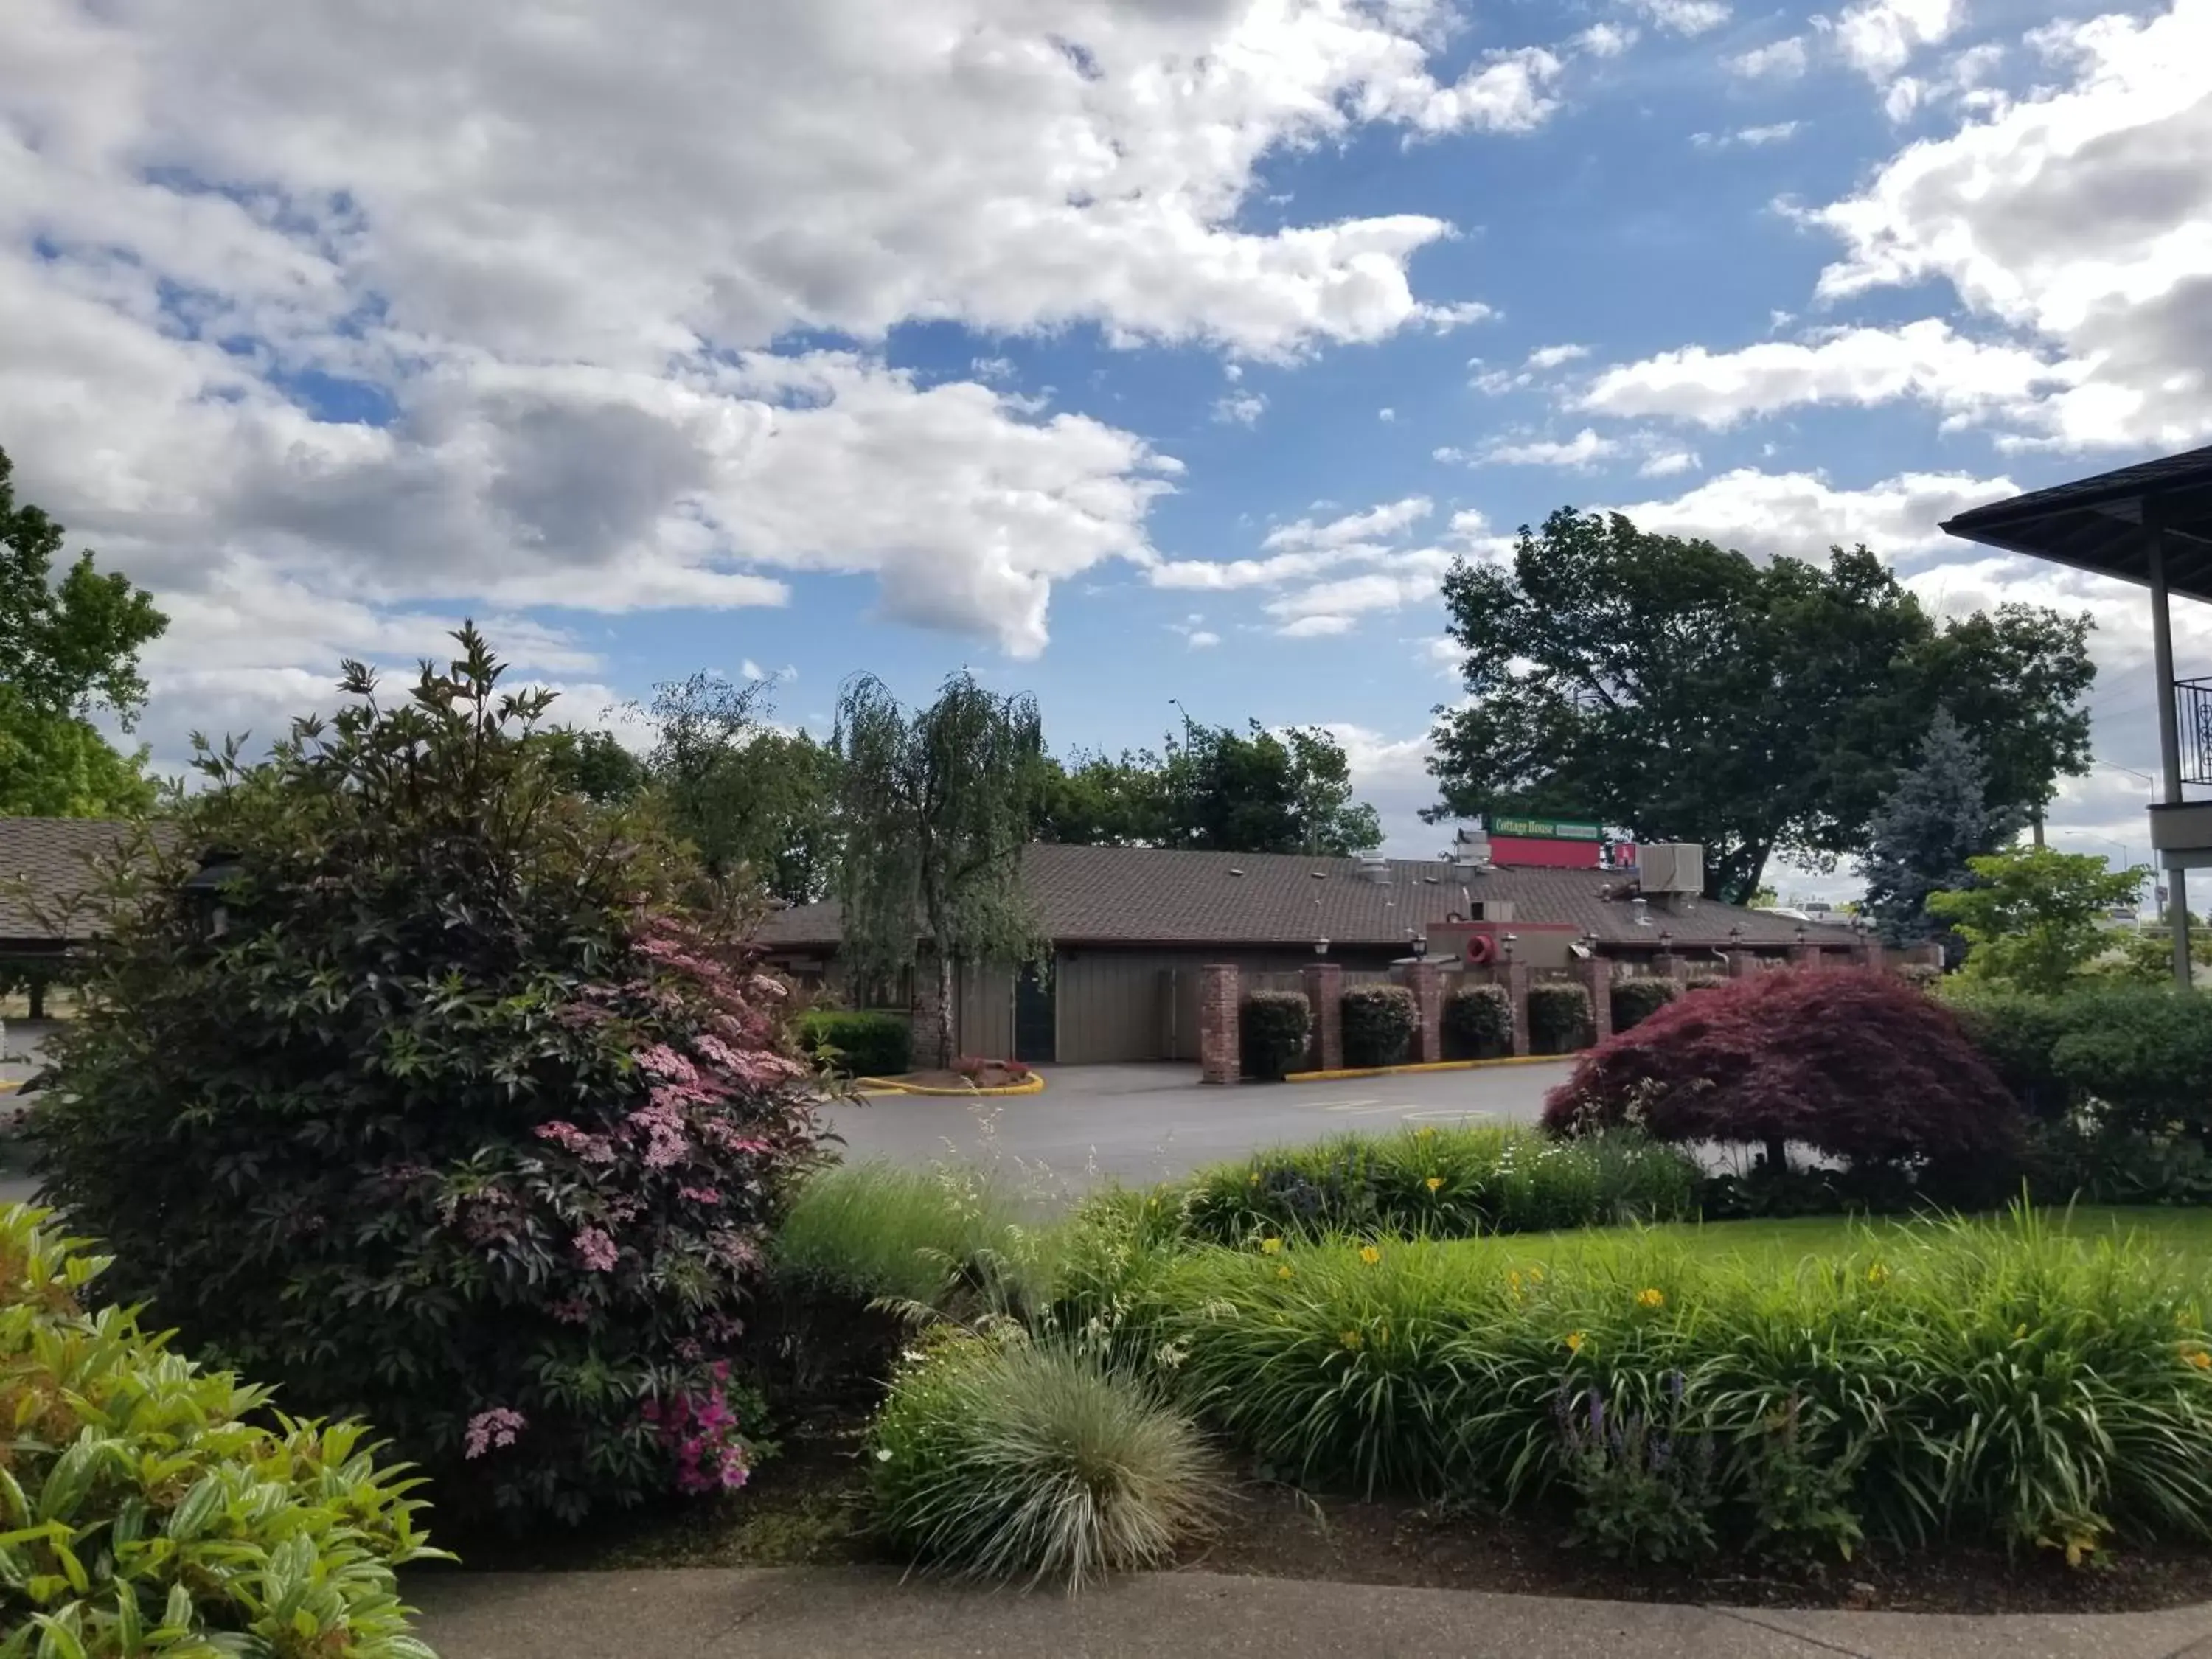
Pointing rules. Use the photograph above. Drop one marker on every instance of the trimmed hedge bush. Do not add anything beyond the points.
(1559, 1021)
(154, 1508)
(864, 1043)
(1442, 1182)
(1478, 1022)
(1272, 1028)
(1004, 1458)
(1853, 1062)
(461, 1122)
(1635, 1000)
(1379, 1023)
(1965, 1379)
(1704, 983)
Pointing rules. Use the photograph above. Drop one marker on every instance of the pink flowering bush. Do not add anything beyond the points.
(468, 1118)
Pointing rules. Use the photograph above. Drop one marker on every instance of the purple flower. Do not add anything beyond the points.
(496, 1427)
(597, 1250)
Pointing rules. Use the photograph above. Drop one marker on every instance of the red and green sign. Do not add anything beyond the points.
(1547, 828)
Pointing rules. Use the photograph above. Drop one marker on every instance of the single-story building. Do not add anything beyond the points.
(45, 865)
(1131, 927)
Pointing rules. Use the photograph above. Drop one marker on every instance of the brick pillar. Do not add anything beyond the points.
(1666, 965)
(1426, 982)
(1519, 976)
(1325, 1016)
(1742, 964)
(1871, 952)
(1220, 1038)
(1597, 980)
(1804, 956)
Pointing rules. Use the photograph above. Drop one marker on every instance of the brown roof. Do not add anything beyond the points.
(1147, 896)
(45, 863)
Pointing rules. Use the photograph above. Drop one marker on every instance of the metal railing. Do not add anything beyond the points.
(2192, 714)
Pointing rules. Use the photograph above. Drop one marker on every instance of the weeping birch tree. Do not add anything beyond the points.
(936, 804)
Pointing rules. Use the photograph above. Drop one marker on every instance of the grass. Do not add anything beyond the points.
(2039, 1382)
(1004, 1459)
(946, 1239)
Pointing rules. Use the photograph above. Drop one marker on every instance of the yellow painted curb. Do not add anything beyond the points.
(886, 1085)
(9, 1088)
(1425, 1066)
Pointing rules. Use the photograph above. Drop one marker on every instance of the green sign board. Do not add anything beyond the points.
(1547, 828)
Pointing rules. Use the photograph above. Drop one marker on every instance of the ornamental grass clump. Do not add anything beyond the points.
(1981, 1380)
(150, 1507)
(1440, 1181)
(441, 1098)
(998, 1457)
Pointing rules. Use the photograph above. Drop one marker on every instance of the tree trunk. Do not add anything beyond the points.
(37, 993)
(944, 1010)
(1777, 1158)
(2035, 826)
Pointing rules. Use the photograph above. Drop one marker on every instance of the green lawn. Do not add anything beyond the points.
(2180, 1232)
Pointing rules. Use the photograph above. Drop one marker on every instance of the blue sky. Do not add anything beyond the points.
(1119, 350)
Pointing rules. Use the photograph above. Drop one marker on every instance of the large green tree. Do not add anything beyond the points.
(69, 649)
(936, 805)
(1686, 692)
(1216, 789)
(1936, 820)
(747, 795)
(2033, 919)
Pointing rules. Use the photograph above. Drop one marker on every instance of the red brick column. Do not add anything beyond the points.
(1804, 956)
(1325, 1016)
(1666, 965)
(1742, 964)
(1519, 976)
(1220, 1008)
(1597, 980)
(1426, 982)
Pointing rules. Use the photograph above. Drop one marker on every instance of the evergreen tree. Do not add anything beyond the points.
(1936, 819)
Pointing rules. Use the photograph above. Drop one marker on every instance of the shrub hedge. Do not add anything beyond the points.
(1379, 1023)
(1969, 1380)
(1853, 1062)
(459, 1122)
(1559, 1021)
(1635, 1000)
(866, 1043)
(1478, 1022)
(1444, 1182)
(149, 1507)
(1272, 1027)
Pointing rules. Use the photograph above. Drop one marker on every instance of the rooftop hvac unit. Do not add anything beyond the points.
(1671, 866)
(1375, 869)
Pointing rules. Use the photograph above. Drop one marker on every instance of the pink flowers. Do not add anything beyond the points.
(702, 1430)
(596, 1250)
(662, 1124)
(496, 1427)
(700, 1194)
(571, 1310)
(593, 1149)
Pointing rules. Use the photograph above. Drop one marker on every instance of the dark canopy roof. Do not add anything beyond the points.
(2096, 524)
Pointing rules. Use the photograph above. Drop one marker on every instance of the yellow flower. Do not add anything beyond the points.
(1283, 1272)
(1370, 1255)
(1535, 1276)
(1574, 1341)
(1648, 1297)
(1877, 1274)
(2198, 1358)
(1252, 1180)
(1271, 1245)
(1352, 1339)
(1423, 1132)
(1513, 1279)
(1433, 1182)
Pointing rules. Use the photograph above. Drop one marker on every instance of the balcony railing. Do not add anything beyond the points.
(2192, 712)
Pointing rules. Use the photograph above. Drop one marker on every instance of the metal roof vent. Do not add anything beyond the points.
(1641, 907)
(1374, 868)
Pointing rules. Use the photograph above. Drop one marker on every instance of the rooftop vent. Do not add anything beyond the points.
(1374, 868)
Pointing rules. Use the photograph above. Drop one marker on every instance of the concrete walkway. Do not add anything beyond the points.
(807, 1612)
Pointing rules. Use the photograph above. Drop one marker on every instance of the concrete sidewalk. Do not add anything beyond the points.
(809, 1612)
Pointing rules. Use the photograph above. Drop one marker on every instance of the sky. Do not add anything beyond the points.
(1120, 350)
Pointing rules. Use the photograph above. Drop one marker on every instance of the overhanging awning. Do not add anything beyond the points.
(2096, 523)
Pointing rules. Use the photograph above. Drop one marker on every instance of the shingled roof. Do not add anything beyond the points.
(45, 863)
(1149, 896)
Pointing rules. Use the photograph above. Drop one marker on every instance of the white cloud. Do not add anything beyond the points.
(1552, 356)
(1783, 60)
(1241, 409)
(1879, 37)
(1748, 137)
(1606, 39)
(1332, 607)
(1317, 628)
(1504, 92)
(1802, 514)
(1965, 378)
(1391, 774)
(1386, 416)
(1667, 462)
(1375, 524)
(1200, 639)
(1583, 450)
(1686, 17)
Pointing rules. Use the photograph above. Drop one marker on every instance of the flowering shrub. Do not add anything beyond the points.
(149, 1507)
(455, 1119)
(1854, 1063)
